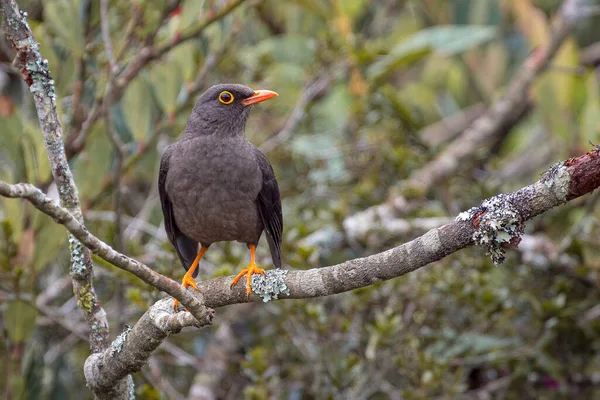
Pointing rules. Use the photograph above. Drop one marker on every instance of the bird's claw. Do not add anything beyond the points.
(247, 272)
(187, 281)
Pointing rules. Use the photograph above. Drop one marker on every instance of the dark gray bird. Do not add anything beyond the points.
(215, 185)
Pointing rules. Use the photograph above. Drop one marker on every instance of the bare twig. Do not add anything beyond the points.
(119, 149)
(452, 126)
(208, 66)
(64, 217)
(34, 70)
(157, 379)
(80, 72)
(105, 26)
(198, 84)
(150, 53)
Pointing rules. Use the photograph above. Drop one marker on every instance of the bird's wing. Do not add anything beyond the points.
(185, 247)
(269, 206)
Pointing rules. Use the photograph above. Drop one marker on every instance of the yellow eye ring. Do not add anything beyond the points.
(226, 97)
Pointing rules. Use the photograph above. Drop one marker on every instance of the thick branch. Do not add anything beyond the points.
(34, 70)
(501, 214)
(563, 182)
(105, 372)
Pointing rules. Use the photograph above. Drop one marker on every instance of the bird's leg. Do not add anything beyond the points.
(249, 271)
(187, 278)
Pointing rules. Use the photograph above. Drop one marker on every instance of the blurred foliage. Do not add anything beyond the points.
(462, 326)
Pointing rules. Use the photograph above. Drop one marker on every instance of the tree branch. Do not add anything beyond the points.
(34, 70)
(129, 352)
(561, 183)
(497, 225)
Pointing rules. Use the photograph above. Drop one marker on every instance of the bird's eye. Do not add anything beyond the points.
(226, 97)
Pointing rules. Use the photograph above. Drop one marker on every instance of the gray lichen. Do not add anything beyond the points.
(78, 263)
(97, 332)
(117, 345)
(41, 83)
(131, 387)
(553, 173)
(498, 225)
(270, 285)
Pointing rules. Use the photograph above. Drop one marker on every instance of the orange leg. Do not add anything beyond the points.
(187, 278)
(249, 271)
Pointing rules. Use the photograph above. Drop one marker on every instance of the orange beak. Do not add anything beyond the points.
(258, 96)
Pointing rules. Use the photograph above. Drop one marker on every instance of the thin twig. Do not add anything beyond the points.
(80, 73)
(105, 26)
(145, 55)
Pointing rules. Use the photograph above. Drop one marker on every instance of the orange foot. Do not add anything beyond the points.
(187, 278)
(248, 272)
(185, 282)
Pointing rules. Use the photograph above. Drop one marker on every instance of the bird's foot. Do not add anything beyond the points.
(248, 272)
(187, 281)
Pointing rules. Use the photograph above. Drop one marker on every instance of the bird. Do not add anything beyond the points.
(214, 185)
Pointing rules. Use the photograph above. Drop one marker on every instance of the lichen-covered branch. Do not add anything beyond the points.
(496, 225)
(107, 373)
(563, 182)
(34, 70)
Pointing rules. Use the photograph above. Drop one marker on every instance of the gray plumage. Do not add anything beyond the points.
(215, 185)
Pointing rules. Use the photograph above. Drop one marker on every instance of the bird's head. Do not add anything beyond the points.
(223, 109)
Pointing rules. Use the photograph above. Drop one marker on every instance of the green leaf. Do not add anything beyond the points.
(56, 14)
(290, 49)
(446, 40)
(590, 117)
(452, 39)
(352, 8)
(93, 166)
(398, 57)
(476, 343)
(19, 320)
(51, 240)
(190, 13)
(137, 106)
(183, 55)
(316, 7)
(167, 80)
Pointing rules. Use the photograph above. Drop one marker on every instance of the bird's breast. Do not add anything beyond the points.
(213, 185)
